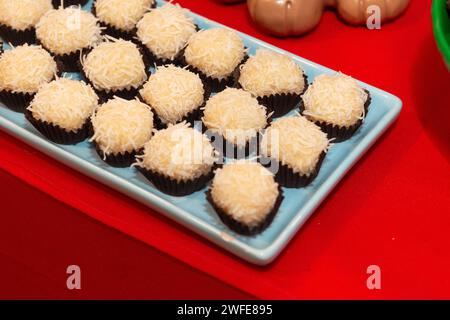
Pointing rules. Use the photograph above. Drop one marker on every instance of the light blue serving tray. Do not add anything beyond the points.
(194, 211)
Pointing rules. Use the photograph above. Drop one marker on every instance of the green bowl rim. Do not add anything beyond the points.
(440, 19)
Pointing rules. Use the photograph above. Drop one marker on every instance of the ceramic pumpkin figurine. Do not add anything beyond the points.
(287, 17)
(296, 17)
(355, 11)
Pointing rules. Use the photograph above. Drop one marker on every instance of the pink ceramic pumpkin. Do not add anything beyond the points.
(296, 17)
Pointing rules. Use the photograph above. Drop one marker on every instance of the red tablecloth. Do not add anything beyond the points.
(392, 210)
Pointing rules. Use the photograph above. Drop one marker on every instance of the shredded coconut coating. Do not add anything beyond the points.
(336, 99)
(178, 152)
(268, 73)
(64, 102)
(122, 14)
(246, 191)
(236, 115)
(122, 125)
(296, 143)
(215, 52)
(23, 14)
(25, 68)
(115, 65)
(166, 30)
(64, 31)
(173, 93)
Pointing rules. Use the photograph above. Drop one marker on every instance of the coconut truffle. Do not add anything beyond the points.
(179, 153)
(275, 79)
(245, 195)
(269, 73)
(215, 52)
(173, 93)
(236, 115)
(295, 142)
(25, 68)
(65, 31)
(65, 103)
(335, 99)
(166, 30)
(21, 15)
(115, 65)
(122, 15)
(122, 126)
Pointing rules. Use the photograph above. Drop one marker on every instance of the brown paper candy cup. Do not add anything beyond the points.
(238, 152)
(17, 37)
(104, 95)
(190, 118)
(286, 177)
(128, 94)
(16, 101)
(67, 62)
(57, 134)
(240, 227)
(231, 150)
(175, 187)
(155, 60)
(277, 104)
(119, 160)
(68, 3)
(215, 85)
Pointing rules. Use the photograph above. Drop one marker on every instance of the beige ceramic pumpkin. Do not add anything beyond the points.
(355, 11)
(296, 17)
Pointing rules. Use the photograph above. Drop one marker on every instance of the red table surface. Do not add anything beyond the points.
(392, 209)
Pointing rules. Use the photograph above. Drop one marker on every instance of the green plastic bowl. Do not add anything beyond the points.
(441, 27)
